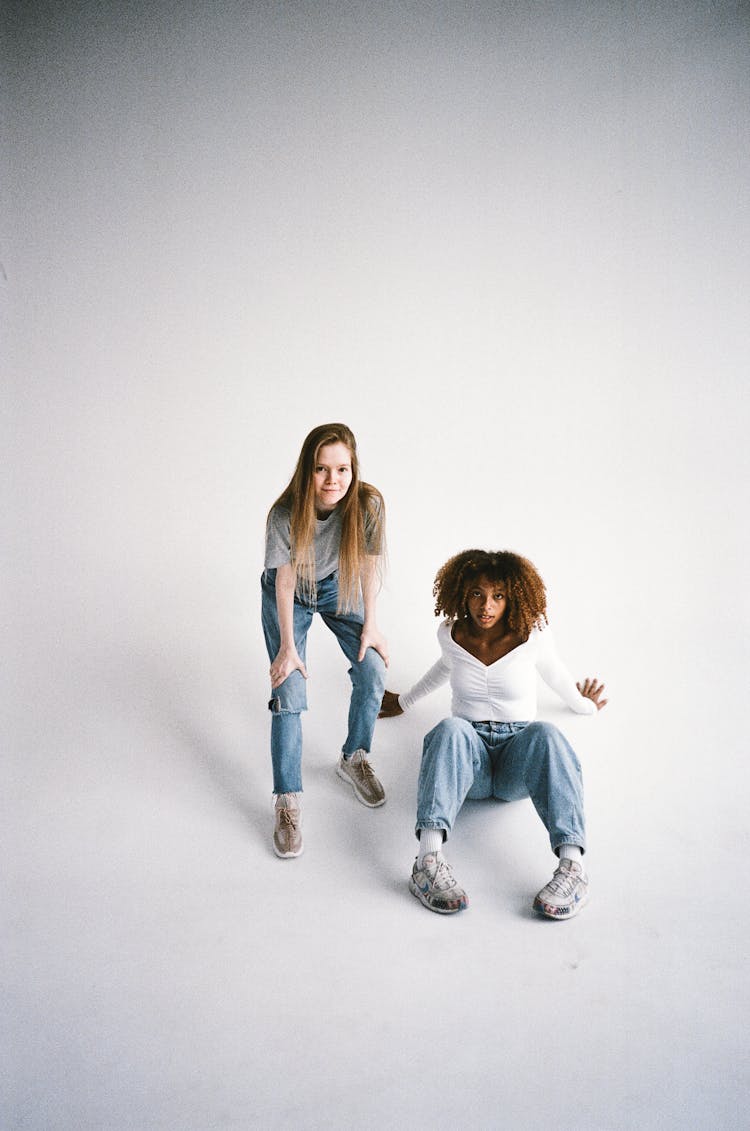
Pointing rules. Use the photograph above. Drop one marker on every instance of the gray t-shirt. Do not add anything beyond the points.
(326, 543)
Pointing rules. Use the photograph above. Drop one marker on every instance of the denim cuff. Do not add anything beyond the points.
(577, 842)
(431, 825)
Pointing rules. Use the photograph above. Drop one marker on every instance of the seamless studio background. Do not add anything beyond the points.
(508, 245)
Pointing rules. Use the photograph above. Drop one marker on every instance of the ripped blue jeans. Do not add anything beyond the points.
(289, 699)
(507, 761)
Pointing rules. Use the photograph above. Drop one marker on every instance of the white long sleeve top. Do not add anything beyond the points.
(503, 692)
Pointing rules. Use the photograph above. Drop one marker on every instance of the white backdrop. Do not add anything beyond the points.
(508, 245)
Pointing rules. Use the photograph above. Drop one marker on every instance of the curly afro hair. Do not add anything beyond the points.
(525, 591)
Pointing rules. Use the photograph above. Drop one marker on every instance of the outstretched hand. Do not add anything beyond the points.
(390, 707)
(591, 689)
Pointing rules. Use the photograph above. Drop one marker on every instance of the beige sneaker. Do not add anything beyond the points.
(361, 777)
(287, 833)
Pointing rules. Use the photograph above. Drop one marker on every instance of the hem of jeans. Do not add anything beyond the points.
(277, 792)
(434, 826)
(575, 841)
(357, 750)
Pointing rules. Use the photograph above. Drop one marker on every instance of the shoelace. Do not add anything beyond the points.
(444, 878)
(287, 817)
(364, 768)
(563, 883)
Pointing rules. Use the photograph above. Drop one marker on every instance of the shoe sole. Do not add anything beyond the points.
(416, 890)
(288, 855)
(560, 913)
(370, 804)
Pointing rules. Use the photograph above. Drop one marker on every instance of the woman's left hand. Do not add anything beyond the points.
(390, 707)
(373, 638)
(591, 689)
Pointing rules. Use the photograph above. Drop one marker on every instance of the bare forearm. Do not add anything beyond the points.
(287, 660)
(372, 637)
(285, 604)
(370, 589)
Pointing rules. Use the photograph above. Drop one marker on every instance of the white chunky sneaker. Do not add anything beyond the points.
(434, 885)
(565, 894)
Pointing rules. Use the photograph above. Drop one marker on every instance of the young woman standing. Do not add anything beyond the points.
(325, 540)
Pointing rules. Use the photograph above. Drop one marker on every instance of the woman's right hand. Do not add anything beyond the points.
(390, 707)
(287, 661)
(593, 690)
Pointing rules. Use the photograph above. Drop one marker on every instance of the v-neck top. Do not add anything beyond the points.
(503, 692)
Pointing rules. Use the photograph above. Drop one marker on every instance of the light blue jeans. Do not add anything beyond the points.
(289, 699)
(507, 761)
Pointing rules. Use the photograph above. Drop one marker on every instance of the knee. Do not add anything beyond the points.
(290, 697)
(370, 671)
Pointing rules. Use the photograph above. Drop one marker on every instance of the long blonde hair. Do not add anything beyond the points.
(362, 518)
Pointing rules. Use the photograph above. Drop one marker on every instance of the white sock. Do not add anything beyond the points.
(570, 852)
(430, 840)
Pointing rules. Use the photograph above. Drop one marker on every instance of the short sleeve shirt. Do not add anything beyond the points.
(327, 541)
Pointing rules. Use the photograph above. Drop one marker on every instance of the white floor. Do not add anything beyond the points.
(167, 971)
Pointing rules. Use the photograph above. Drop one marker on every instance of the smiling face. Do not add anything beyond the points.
(487, 603)
(332, 476)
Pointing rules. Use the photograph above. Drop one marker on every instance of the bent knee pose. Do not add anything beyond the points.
(493, 641)
(324, 545)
